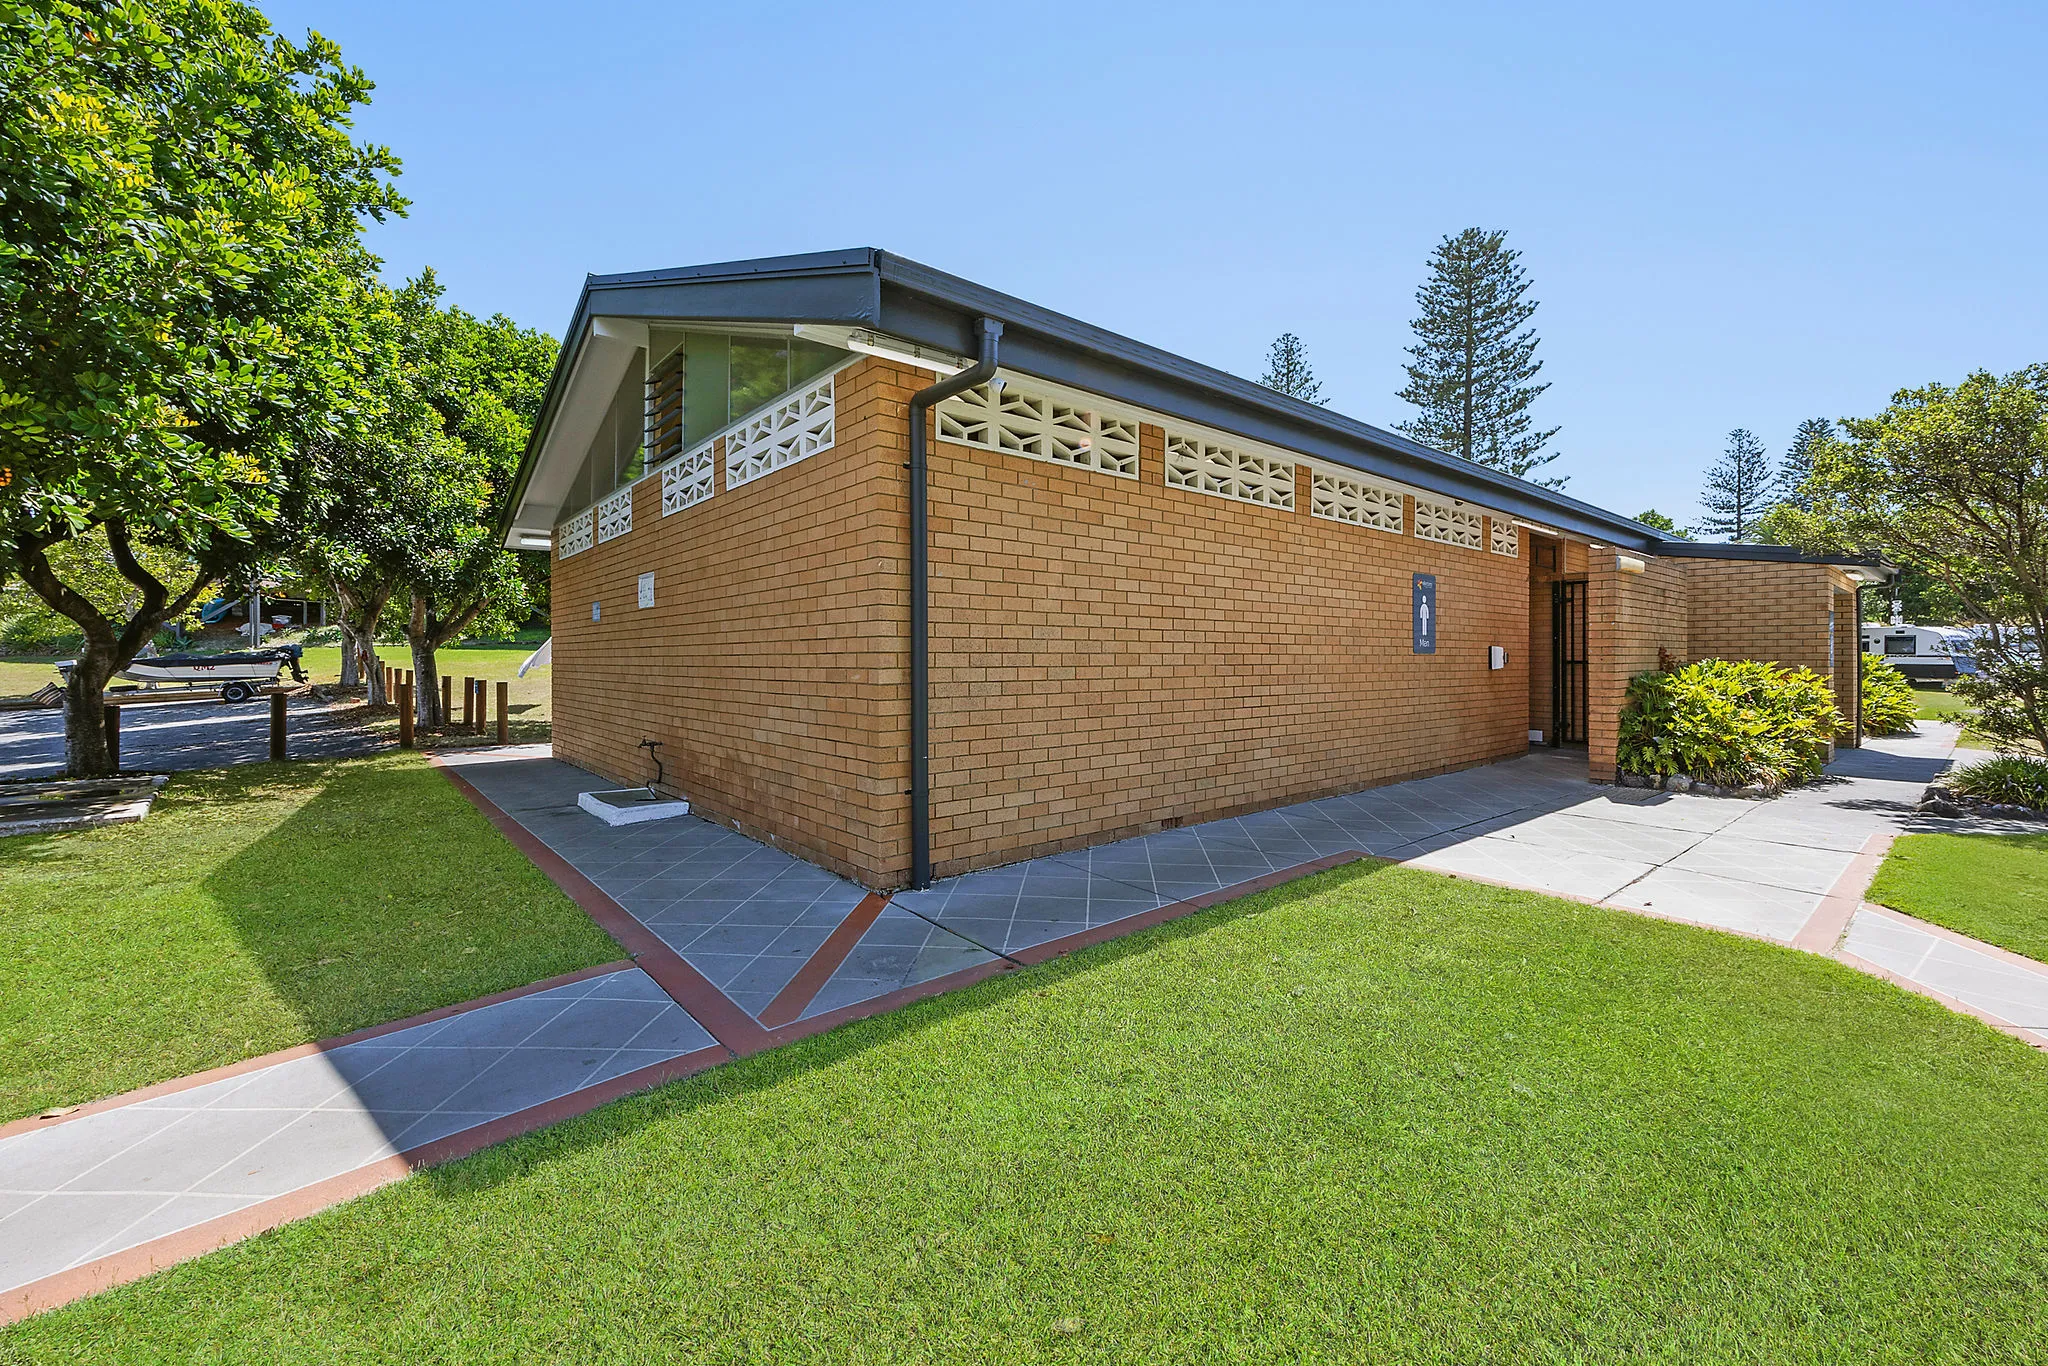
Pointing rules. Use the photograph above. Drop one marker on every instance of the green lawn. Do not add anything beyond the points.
(530, 696)
(259, 907)
(1378, 1116)
(21, 675)
(1937, 705)
(1990, 887)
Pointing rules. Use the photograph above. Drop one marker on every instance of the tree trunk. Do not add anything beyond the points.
(426, 676)
(85, 721)
(350, 666)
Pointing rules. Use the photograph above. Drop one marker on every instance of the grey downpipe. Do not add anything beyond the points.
(921, 402)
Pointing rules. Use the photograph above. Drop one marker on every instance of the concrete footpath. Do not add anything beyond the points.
(737, 947)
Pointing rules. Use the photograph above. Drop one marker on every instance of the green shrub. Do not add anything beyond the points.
(2017, 779)
(1889, 705)
(1728, 722)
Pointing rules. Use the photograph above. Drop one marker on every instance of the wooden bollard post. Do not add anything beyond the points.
(110, 717)
(388, 689)
(483, 704)
(277, 727)
(405, 711)
(468, 701)
(447, 699)
(504, 720)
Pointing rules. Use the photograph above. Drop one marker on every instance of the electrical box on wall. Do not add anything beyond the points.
(1496, 656)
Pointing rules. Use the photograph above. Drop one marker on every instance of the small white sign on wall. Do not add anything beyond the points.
(647, 590)
(596, 611)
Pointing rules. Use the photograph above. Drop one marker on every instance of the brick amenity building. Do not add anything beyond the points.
(1157, 593)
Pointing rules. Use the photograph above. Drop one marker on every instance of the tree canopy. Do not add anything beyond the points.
(1475, 358)
(181, 205)
(1954, 481)
(1288, 370)
(1738, 491)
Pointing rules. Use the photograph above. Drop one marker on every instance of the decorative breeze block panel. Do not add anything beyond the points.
(573, 537)
(1450, 522)
(614, 515)
(794, 429)
(1040, 426)
(1360, 502)
(687, 481)
(1208, 467)
(1502, 538)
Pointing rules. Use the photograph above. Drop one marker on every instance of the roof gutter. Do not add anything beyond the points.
(983, 370)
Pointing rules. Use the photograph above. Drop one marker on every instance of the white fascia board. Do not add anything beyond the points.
(600, 364)
(869, 342)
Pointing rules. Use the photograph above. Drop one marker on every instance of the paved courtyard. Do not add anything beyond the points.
(737, 946)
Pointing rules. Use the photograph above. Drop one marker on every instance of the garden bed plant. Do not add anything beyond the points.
(2011, 785)
(1726, 727)
(1889, 702)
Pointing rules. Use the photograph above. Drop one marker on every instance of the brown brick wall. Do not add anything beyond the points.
(1113, 653)
(1848, 666)
(772, 663)
(1746, 609)
(1632, 621)
(1109, 654)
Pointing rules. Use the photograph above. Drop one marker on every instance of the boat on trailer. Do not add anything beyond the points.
(238, 675)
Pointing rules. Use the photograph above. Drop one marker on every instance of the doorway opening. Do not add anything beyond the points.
(1568, 662)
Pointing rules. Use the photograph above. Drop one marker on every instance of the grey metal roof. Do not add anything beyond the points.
(867, 287)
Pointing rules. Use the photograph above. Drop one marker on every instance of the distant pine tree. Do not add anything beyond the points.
(1474, 358)
(1797, 466)
(1738, 491)
(1287, 370)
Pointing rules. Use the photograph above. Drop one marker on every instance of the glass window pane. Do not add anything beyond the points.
(760, 372)
(809, 359)
(704, 384)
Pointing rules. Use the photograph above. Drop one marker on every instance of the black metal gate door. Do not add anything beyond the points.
(1568, 663)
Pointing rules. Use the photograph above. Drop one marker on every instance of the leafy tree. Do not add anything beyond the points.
(483, 379)
(180, 216)
(1653, 518)
(359, 532)
(1288, 371)
(1796, 466)
(1474, 358)
(1738, 490)
(1954, 481)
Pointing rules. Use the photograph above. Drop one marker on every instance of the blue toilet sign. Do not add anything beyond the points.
(1425, 614)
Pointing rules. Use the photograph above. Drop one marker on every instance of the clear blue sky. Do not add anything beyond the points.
(1733, 216)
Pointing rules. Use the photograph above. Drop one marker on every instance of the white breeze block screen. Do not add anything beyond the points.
(1359, 501)
(686, 480)
(614, 515)
(1040, 424)
(796, 428)
(1450, 522)
(1501, 537)
(573, 536)
(1194, 462)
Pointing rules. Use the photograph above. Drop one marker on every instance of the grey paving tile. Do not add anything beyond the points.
(183, 1155)
(1669, 810)
(45, 1159)
(55, 1231)
(1727, 854)
(1565, 832)
(1566, 872)
(312, 1147)
(1724, 903)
